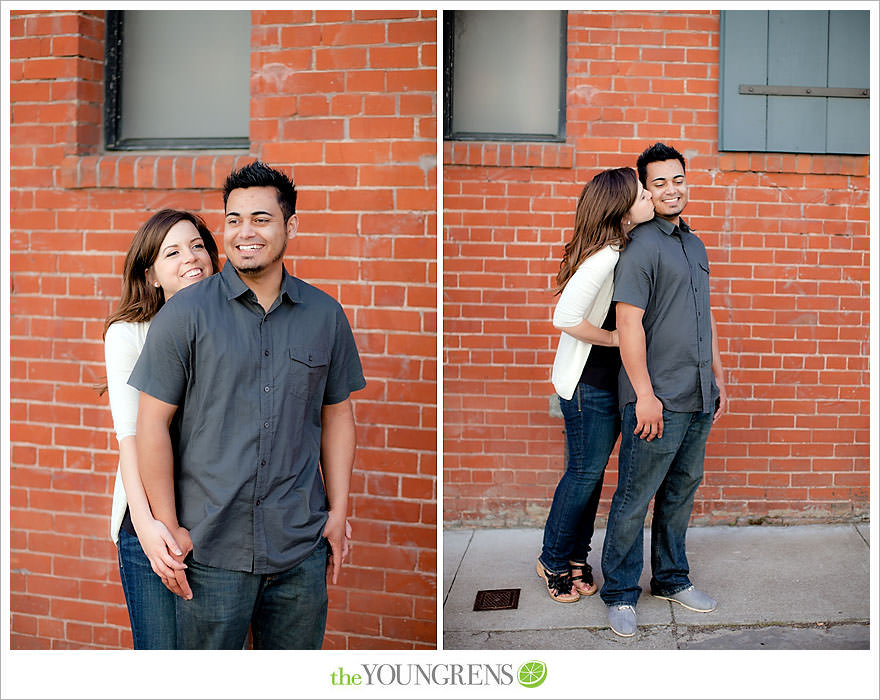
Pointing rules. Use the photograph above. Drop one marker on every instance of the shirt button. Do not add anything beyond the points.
(263, 463)
(266, 353)
(258, 501)
(266, 424)
(266, 389)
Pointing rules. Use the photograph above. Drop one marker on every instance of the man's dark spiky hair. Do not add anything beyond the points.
(258, 174)
(657, 152)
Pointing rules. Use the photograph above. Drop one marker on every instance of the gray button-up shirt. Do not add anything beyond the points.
(249, 386)
(664, 270)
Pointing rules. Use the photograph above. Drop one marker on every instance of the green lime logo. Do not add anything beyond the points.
(532, 673)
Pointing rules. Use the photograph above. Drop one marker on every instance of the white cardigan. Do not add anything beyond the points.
(122, 347)
(586, 296)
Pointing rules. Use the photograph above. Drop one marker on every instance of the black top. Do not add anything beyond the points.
(665, 271)
(603, 362)
(249, 386)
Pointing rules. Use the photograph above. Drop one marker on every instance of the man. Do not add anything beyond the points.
(671, 389)
(245, 382)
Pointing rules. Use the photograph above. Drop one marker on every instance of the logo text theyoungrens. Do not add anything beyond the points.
(425, 674)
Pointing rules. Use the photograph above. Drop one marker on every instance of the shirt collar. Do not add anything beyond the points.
(235, 287)
(669, 228)
(290, 286)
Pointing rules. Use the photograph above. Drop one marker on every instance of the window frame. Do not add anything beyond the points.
(448, 71)
(113, 140)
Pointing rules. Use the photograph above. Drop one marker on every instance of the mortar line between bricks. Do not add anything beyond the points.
(458, 568)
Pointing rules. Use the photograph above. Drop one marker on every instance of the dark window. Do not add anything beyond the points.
(177, 79)
(504, 75)
(794, 81)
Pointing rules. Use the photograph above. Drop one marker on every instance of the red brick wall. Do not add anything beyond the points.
(346, 100)
(787, 238)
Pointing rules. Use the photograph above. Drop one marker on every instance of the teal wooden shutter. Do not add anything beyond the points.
(743, 118)
(848, 52)
(776, 51)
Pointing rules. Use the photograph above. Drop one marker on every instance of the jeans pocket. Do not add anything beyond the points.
(570, 407)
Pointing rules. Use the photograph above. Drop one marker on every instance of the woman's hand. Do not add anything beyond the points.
(165, 554)
(177, 582)
(160, 547)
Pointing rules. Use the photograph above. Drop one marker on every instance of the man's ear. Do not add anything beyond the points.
(292, 224)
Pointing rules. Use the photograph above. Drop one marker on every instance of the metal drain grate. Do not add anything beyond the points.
(498, 599)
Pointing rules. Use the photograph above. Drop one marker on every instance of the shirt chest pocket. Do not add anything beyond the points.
(703, 270)
(307, 372)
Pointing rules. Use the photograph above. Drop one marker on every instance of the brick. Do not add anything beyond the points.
(281, 17)
(313, 129)
(359, 152)
(368, 15)
(406, 628)
(394, 56)
(327, 16)
(381, 127)
(353, 34)
(301, 35)
(380, 603)
(292, 152)
(412, 32)
(363, 200)
(29, 604)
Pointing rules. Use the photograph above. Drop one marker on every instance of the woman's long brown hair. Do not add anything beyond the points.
(140, 300)
(598, 220)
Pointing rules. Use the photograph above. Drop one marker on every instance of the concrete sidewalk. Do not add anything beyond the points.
(782, 587)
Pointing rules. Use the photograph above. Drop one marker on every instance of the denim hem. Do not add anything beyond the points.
(551, 571)
(620, 602)
(681, 588)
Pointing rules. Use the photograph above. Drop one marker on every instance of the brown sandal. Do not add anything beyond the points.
(559, 586)
(582, 578)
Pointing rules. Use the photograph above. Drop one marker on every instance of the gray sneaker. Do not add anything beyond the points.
(692, 599)
(622, 619)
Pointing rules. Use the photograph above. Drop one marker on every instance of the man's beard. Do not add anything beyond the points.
(259, 269)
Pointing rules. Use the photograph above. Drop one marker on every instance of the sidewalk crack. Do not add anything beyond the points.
(458, 568)
(859, 533)
(676, 635)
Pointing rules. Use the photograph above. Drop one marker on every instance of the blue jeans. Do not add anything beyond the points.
(287, 610)
(150, 604)
(669, 469)
(592, 424)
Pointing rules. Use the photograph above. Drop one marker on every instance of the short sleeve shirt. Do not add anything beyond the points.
(664, 270)
(249, 386)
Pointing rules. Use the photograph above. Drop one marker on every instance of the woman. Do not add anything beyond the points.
(585, 372)
(172, 250)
